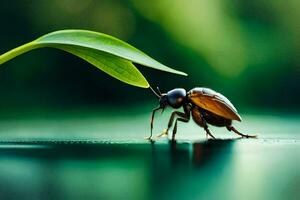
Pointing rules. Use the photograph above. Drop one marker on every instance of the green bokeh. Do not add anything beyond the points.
(249, 51)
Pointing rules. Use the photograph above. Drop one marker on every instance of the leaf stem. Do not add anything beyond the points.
(18, 50)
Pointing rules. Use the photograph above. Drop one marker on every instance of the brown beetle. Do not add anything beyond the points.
(205, 105)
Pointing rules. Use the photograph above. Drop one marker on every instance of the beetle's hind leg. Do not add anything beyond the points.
(231, 128)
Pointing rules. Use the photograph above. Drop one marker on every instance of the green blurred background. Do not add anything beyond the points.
(247, 50)
(69, 131)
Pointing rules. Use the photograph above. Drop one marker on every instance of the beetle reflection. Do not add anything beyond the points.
(197, 153)
(188, 165)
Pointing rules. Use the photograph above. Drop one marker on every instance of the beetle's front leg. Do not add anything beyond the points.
(151, 122)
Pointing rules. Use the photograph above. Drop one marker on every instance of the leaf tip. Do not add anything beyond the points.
(146, 86)
(184, 74)
(181, 73)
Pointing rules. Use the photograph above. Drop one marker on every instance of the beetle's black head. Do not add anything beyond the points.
(174, 98)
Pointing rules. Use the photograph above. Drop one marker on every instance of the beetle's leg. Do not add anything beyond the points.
(175, 126)
(171, 120)
(151, 122)
(185, 115)
(231, 128)
(208, 132)
(200, 120)
(206, 128)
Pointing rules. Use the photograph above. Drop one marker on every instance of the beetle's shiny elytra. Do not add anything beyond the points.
(205, 105)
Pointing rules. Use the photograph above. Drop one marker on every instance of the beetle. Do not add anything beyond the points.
(205, 105)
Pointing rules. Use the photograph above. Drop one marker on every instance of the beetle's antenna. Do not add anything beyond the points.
(158, 90)
(154, 92)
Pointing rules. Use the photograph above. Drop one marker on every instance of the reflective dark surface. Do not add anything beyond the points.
(213, 169)
(88, 155)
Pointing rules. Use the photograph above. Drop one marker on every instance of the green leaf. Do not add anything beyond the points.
(117, 67)
(107, 53)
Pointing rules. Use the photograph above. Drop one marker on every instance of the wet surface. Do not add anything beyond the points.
(112, 167)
